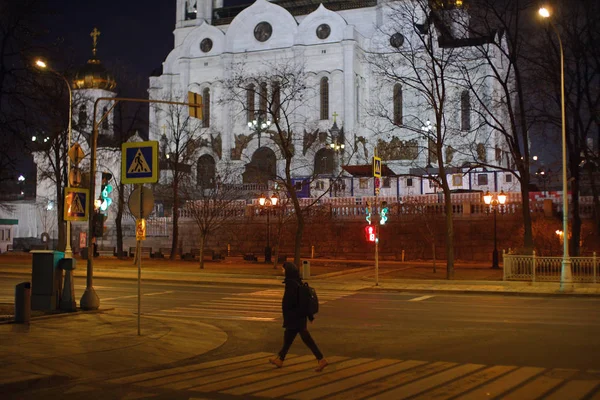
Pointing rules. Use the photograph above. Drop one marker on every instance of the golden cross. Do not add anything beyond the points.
(334, 116)
(95, 33)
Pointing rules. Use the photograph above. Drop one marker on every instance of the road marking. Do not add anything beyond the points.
(135, 296)
(421, 298)
(251, 375)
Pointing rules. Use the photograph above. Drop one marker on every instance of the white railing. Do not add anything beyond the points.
(548, 269)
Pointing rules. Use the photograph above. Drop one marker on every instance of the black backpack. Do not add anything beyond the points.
(309, 302)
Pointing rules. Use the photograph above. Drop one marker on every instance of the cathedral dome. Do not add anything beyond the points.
(93, 75)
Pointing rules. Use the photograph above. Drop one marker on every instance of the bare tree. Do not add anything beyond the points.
(180, 139)
(213, 203)
(504, 93)
(411, 57)
(285, 92)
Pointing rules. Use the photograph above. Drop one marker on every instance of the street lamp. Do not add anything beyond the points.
(43, 66)
(494, 201)
(260, 125)
(566, 277)
(267, 203)
(21, 180)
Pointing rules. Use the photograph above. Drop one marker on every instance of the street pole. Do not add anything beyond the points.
(495, 252)
(377, 241)
(268, 248)
(566, 276)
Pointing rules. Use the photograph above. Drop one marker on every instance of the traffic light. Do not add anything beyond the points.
(105, 191)
(370, 232)
(368, 213)
(383, 213)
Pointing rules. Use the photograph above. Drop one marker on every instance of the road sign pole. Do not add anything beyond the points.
(139, 262)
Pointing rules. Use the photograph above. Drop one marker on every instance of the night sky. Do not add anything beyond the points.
(135, 34)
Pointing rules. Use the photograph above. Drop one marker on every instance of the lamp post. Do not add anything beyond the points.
(268, 203)
(259, 125)
(21, 180)
(494, 201)
(566, 277)
(44, 66)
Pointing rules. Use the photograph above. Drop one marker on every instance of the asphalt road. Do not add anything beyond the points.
(544, 332)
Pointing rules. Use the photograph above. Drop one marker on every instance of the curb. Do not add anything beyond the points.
(484, 292)
(59, 315)
(29, 383)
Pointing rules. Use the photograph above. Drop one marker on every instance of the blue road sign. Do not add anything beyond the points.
(76, 204)
(139, 162)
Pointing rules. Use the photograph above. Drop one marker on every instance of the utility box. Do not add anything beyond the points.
(46, 280)
(305, 269)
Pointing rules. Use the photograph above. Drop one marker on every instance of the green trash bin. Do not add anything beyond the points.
(46, 279)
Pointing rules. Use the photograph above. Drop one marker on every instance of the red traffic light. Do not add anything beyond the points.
(370, 232)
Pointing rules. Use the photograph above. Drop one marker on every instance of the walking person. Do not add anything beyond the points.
(294, 319)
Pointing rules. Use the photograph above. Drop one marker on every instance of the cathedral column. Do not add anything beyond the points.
(349, 116)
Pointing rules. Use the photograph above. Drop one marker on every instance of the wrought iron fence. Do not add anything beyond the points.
(548, 269)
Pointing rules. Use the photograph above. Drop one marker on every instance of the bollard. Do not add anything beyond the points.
(67, 300)
(305, 269)
(312, 251)
(402, 255)
(23, 303)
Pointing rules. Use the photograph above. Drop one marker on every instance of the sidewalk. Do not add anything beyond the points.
(85, 345)
(352, 275)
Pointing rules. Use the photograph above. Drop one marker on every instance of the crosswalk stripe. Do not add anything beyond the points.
(363, 378)
(259, 388)
(188, 368)
(536, 388)
(262, 305)
(498, 386)
(573, 390)
(464, 384)
(348, 383)
(244, 385)
(364, 364)
(430, 382)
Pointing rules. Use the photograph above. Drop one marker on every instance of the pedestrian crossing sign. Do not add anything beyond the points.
(139, 162)
(377, 167)
(76, 204)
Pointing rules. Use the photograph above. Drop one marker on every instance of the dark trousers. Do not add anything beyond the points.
(288, 338)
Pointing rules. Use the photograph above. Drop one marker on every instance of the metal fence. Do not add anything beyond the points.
(548, 269)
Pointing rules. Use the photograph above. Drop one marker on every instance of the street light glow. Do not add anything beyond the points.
(544, 12)
(41, 63)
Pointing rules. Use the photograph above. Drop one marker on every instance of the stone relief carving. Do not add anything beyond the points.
(362, 140)
(241, 142)
(450, 154)
(277, 139)
(398, 149)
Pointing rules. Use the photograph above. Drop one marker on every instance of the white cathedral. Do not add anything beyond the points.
(332, 41)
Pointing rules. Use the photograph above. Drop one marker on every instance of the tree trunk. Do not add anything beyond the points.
(175, 220)
(201, 249)
(576, 224)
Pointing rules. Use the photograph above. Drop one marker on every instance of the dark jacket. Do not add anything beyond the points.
(293, 318)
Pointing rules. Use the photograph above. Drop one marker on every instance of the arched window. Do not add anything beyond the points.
(250, 92)
(465, 111)
(205, 176)
(263, 99)
(206, 108)
(82, 119)
(324, 92)
(276, 105)
(105, 120)
(398, 104)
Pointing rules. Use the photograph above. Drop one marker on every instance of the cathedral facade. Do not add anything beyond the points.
(352, 103)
